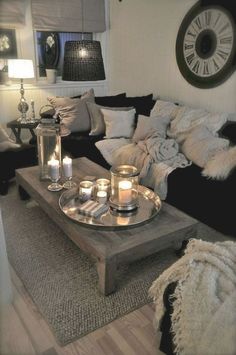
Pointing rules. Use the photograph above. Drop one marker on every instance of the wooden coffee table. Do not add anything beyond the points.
(109, 249)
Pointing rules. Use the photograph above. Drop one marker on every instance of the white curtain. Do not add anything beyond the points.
(12, 13)
(69, 16)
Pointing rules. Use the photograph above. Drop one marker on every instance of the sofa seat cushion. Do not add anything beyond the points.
(209, 201)
(229, 131)
(12, 159)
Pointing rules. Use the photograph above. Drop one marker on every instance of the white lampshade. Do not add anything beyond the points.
(20, 68)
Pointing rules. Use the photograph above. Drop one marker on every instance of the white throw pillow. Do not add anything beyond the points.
(74, 112)
(221, 164)
(5, 141)
(108, 146)
(119, 123)
(148, 125)
(165, 108)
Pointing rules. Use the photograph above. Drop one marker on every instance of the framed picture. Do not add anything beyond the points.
(8, 47)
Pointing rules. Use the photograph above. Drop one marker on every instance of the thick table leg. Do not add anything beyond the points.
(107, 275)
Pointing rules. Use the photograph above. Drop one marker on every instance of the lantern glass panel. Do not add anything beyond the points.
(49, 146)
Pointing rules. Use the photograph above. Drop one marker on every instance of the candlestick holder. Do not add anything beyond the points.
(54, 171)
(69, 184)
(55, 186)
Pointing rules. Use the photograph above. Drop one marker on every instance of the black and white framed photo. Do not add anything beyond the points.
(8, 48)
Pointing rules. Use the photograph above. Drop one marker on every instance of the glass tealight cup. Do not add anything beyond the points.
(85, 190)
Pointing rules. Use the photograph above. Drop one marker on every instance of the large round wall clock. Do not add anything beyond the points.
(206, 45)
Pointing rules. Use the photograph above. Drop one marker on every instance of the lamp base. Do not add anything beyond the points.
(23, 108)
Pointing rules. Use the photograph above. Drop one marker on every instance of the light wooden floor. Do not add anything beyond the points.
(23, 331)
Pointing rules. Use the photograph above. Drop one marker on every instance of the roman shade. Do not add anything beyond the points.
(12, 13)
(69, 16)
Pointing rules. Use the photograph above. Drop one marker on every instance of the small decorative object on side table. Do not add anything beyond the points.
(32, 111)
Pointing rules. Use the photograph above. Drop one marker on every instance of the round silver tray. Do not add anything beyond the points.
(149, 204)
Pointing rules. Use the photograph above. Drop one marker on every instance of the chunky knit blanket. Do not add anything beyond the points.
(204, 300)
(155, 157)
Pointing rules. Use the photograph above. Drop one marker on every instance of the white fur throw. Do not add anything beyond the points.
(221, 164)
(204, 300)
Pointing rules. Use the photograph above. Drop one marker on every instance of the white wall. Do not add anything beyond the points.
(142, 55)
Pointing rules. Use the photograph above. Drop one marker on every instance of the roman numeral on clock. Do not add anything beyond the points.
(226, 40)
(190, 58)
(196, 67)
(224, 55)
(188, 46)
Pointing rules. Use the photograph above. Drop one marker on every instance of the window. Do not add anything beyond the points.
(50, 48)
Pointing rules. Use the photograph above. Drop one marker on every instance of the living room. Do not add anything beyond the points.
(140, 59)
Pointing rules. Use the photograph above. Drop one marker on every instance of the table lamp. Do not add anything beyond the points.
(21, 69)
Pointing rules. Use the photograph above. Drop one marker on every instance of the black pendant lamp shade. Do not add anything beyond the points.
(83, 61)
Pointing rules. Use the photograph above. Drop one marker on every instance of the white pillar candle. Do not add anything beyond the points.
(125, 191)
(102, 196)
(54, 169)
(67, 167)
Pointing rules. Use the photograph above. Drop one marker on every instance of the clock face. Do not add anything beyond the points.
(206, 46)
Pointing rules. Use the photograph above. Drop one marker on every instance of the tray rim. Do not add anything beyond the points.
(143, 191)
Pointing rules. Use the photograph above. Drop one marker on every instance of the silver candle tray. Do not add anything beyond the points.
(149, 204)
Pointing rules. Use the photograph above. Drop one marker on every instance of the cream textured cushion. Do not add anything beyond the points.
(165, 108)
(74, 112)
(108, 146)
(5, 141)
(97, 120)
(147, 125)
(187, 118)
(119, 123)
(201, 145)
(221, 164)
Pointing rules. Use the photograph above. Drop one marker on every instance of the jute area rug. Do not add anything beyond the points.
(62, 281)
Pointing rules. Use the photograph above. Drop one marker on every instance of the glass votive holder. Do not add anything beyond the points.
(102, 185)
(124, 188)
(85, 190)
(101, 196)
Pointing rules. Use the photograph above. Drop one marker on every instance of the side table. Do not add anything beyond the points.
(16, 127)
